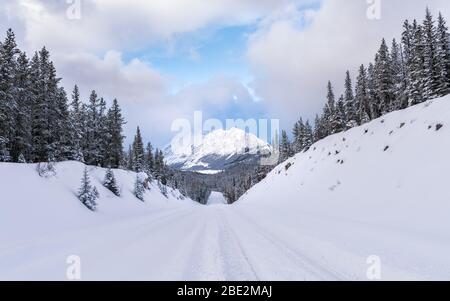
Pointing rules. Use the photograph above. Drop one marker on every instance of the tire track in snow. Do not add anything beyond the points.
(303, 263)
(216, 254)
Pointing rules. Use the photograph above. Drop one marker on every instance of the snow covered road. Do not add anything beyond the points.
(192, 243)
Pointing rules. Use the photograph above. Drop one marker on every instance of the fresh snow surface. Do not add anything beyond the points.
(381, 189)
(217, 198)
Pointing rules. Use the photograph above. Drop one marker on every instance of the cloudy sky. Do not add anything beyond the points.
(164, 59)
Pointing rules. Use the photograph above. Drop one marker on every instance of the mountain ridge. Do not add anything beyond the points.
(219, 150)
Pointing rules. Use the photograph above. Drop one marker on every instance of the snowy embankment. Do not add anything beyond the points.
(380, 189)
(31, 205)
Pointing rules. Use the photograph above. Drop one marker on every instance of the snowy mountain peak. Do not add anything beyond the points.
(230, 142)
(218, 150)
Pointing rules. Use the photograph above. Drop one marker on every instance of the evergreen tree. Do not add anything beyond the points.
(399, 77)
(362, 97)
(110, 182)
(46, 108)
(115, 129)
(350, 107)
(87, 194)
(104, 139)
(340, 119)
(384, 82)
(138, 152)
(431, 60)
(149, 159)
(319, 130)
(76, 119)
(308, 136)
(22, 138)
(92, 152)
(330, 119)
(130, 157)
(297, 133)
(372, 95)
(8, 102)
(285, 147)
(443, 56)
(417, 68)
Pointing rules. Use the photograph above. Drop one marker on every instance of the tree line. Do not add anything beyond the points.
(38, 121)
(407, 73)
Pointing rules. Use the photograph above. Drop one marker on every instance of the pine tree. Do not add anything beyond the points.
(431, 61)
(308, 137)
(87, 194)
(115, 129)
(138, 152)
(372, 95)
(399, 77)
(408, 57)
(362, 97)
(149, 159)
(110, 182)
(139, 189)
(63, 129)
(443, 56)
(46, 108)
(340, 119)
(285, 147)
(22, 138)
(417, 69)
(104, 137)
(330, 119)
(297, 133)
(76, 119)
(350, 108)
(319, 130)
(92, 152)
(384, 82)
(8, 102)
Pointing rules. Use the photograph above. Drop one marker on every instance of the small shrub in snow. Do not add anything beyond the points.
(439, 126)
(88, 194)
(110, 182)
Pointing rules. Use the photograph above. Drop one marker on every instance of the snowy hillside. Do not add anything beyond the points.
(219, 150)
(33, 205)
(380, 189)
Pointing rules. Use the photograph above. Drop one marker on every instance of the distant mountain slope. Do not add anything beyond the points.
(220, 150)
(379, 189)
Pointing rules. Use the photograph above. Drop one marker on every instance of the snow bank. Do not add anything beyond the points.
(380, 189)
(31, 205)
